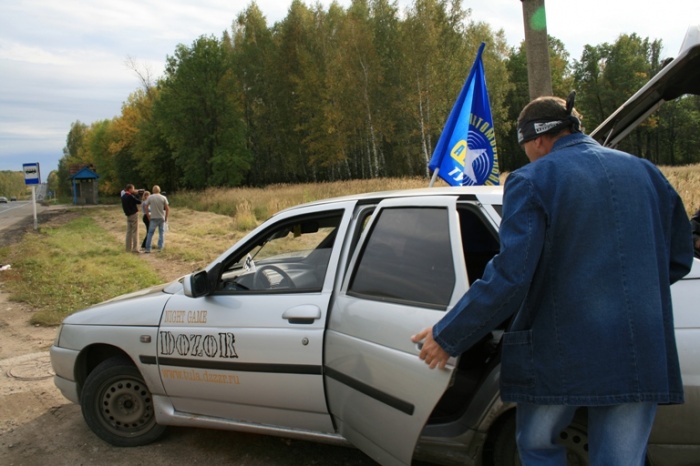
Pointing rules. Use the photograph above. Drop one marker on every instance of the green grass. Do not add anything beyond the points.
(64, 269)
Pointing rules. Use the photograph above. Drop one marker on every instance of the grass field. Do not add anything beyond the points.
(79, 259)
(249, 206)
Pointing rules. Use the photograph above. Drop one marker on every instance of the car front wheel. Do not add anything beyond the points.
(118, 406)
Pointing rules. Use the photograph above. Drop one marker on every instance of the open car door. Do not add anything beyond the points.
(405, 272)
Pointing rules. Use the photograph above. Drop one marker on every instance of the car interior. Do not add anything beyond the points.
(479, 244)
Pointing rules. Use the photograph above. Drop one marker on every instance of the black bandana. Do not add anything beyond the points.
(531, 129)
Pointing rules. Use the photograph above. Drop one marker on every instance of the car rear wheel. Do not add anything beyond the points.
(118, 406)
(574, 438)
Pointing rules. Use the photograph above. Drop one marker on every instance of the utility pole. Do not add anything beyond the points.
(539, 75)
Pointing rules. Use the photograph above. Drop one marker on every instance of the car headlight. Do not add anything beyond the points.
(57, 340)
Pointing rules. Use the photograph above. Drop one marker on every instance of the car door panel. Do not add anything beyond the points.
(373, 393)
(255, 355)
(241, 365)
(380, 393)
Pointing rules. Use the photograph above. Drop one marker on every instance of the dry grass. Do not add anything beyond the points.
(194, 239)
(686, 180)
(248, 207)
(205, 224)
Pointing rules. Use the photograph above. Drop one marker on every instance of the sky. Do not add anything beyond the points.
(73, 60)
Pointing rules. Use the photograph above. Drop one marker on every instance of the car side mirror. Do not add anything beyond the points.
(196, 284)
(201, 283)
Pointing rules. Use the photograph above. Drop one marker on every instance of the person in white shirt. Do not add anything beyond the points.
(158, 212)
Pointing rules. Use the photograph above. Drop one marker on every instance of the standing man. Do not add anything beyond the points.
(591, 240)
(130, 205)
(158, 212)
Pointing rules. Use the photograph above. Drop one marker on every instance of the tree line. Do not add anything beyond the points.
(346, 93)
(12, 184)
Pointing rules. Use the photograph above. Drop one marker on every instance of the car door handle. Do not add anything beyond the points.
(304, 314)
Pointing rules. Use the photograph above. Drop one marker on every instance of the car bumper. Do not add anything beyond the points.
(63, 363)
(68, 388)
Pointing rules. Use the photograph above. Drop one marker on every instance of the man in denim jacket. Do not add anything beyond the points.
(591, 240)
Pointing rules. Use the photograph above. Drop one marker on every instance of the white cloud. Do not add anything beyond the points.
(17, 51)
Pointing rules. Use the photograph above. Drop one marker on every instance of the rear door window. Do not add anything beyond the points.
(407, 258)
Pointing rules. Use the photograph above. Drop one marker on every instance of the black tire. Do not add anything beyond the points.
(505, 450)
(574, 438)
(117, 405)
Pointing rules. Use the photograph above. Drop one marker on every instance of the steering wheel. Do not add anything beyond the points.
(260, 275)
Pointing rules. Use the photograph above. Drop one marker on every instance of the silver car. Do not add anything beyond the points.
(302, 329)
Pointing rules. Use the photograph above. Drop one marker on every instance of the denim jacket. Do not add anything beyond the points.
(591, 240)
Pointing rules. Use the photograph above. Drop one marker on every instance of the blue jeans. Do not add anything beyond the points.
(617, 435)
(155, 223)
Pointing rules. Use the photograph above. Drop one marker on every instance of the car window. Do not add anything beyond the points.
(479, 243)
(407, 258)
(291, 256)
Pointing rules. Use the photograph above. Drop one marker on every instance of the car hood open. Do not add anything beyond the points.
(680, 76)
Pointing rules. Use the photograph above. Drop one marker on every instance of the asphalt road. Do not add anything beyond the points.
(15, 211)
(16, 217)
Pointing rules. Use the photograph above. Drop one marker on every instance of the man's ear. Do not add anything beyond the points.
(544, 143)
(537, 145)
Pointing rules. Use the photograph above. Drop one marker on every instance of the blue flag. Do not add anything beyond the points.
(466, 152)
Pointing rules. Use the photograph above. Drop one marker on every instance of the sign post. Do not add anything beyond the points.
(32, 177)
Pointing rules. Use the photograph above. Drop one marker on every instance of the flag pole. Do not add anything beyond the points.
(435, 174)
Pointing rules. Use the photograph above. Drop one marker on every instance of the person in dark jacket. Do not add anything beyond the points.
(130, 205)
(591, 240)
(145, 217)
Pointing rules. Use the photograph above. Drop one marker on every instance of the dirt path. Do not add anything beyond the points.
(39, 427)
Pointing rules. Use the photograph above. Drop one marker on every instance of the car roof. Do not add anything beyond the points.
(680, 76)
(491, 193)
